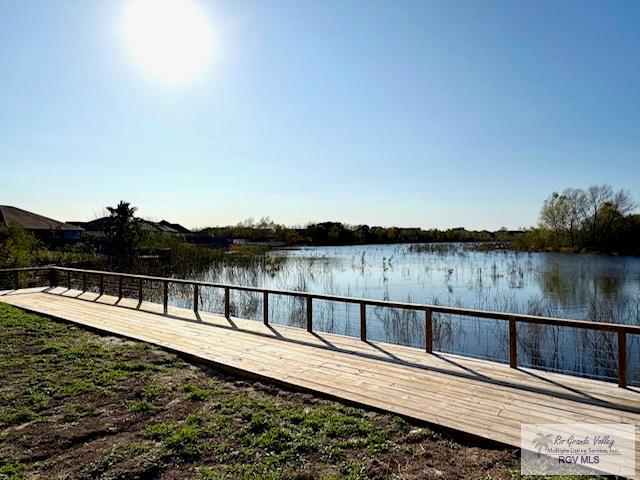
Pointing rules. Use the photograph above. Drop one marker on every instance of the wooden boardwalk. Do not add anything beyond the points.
(480, 398)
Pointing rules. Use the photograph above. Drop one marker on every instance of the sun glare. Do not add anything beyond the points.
(170, 39)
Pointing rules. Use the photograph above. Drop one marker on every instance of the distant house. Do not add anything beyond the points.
(164, 230)
(98, 227)
(42, 227)
(176, 226)
(95, 227)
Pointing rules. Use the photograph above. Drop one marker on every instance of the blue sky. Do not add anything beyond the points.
(410, 113)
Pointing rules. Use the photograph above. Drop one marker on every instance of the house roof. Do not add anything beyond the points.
(12, 216)
(100, 225)
(97, 225)
(156, 227)
(175, 226)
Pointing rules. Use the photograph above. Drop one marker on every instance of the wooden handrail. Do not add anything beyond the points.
(16, 273)
(468, 312)
(27, 269)
(513, 318)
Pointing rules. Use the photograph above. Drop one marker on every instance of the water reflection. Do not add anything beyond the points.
(589, 287)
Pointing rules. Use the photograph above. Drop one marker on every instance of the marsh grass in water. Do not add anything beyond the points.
(584, 287)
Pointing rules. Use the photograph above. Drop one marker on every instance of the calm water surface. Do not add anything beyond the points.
(584, 287)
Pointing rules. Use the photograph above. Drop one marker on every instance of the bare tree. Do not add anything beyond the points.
(602, 206)
(624, 203)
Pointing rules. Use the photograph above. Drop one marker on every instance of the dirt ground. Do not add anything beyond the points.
(74, 404)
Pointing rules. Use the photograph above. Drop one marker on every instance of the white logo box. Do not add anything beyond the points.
(578, 449)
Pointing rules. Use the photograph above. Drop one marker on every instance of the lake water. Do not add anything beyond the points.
(584, 287)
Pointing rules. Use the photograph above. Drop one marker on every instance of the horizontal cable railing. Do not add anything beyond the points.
(82, 280)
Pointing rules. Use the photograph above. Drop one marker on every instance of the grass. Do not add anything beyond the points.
(78, 405)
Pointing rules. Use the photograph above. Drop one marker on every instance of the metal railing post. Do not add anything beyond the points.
(119, 287)
(101, 289)
(16, 280)
(227, 303)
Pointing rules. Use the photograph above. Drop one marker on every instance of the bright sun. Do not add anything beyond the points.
(171, 39)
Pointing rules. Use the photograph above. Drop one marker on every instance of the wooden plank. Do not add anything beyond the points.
(477, 397)
(261, 361)
(239, 359)
(563, 382)
(544, 379)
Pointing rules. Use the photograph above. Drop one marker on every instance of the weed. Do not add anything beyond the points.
(196, 393)
(12, 471)
(140, 405)
(23, 414)
(205, 473)
(181, 440)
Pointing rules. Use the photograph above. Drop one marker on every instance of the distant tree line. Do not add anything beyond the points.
(336, 233)
(597, 218)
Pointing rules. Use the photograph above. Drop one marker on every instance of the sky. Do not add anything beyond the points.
(408, 113)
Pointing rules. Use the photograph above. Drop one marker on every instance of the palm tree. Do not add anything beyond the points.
(123, 232)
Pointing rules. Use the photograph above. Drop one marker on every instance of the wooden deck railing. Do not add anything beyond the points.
(55, 273)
